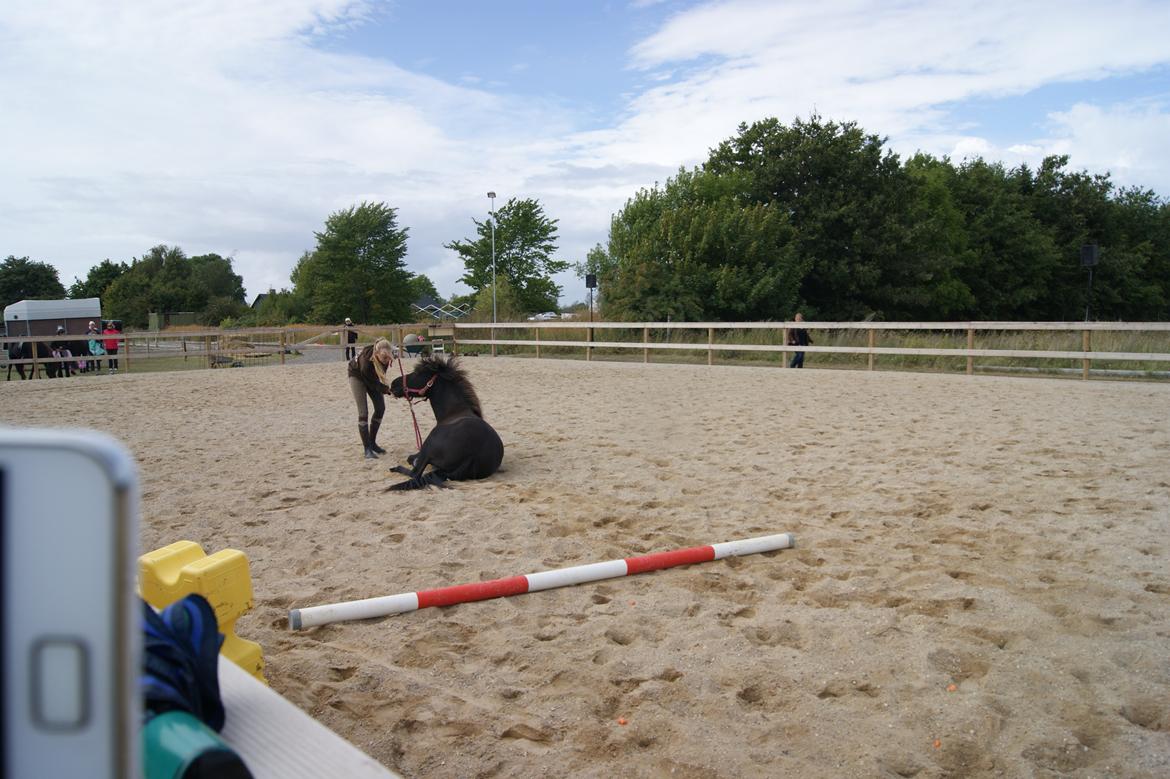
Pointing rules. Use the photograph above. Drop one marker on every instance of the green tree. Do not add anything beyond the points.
(923, 281)
(100, 277)
(1012, 258)
(508, 305)
(23, 279)
(525, 240)
(165, 280)
(694, 250)
(357, 269)
(1132, 280)
(845, 197)
(421, 286)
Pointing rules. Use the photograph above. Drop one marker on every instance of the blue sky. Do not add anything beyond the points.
(238, 126)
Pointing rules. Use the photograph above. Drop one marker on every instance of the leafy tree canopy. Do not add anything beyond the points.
(358, 268)
(421, 286)
(165, 280)
(820, 216)
(525, 241)
(100, 277)
(24, 279)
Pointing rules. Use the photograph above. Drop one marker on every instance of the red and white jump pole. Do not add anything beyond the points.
(532, 582)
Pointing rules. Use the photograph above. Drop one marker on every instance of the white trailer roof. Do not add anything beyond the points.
(31, 310)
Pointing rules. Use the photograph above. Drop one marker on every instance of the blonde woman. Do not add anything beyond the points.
(367, 377)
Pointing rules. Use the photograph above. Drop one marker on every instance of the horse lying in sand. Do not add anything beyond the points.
(462, 445)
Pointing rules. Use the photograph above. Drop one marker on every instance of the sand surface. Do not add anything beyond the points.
(981, 585)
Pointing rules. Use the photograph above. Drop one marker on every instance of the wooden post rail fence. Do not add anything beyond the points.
(213, 347)
(594, 341)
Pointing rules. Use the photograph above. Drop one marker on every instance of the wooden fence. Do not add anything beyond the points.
(214, 347)
(873, 330)
(210, 348)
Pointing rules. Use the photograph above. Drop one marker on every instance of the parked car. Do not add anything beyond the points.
(547, 315)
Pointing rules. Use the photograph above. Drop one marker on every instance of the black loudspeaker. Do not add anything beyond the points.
(591, 280)
(1090, 254)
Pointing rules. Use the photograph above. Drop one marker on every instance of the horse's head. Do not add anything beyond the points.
(419, 381)
(437, 374)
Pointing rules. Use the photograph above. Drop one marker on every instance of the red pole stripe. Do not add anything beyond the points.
(463, 593)
(659, 560)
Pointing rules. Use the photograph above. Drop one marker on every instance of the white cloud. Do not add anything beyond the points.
(225, 126)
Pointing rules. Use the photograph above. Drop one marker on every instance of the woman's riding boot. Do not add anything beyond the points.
(374, 425)
(365, 433)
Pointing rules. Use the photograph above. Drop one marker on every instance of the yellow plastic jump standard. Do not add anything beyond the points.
(179, 569)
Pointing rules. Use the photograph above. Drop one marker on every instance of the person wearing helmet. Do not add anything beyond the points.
(349, 335)
(61, 350)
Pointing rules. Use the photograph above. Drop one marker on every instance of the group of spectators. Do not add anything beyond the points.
(86, 357)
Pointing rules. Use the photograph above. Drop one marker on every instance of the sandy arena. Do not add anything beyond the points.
(981, 584)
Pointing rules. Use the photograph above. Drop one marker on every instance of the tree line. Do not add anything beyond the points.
(820, 217)
(357, 270)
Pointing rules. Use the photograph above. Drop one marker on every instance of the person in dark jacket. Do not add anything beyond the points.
(63, 349)
(367, 378)
(798, 336)
(350, 336)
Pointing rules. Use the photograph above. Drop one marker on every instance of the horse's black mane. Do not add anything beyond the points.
(450, 370)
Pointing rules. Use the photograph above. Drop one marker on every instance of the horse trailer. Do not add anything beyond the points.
(43, 317)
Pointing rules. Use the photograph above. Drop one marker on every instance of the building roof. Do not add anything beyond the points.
(25, 310)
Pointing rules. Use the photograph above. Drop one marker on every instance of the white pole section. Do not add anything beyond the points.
(518, 585)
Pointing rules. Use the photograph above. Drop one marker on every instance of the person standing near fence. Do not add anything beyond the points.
(349, 336)
(367, 378)
(61, 350)
(111, 345)
(798, 336)
(96, 349)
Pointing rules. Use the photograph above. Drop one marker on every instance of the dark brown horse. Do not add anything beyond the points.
(23, 350)
(462, 445)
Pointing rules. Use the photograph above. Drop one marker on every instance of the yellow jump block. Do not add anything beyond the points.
(175, 571)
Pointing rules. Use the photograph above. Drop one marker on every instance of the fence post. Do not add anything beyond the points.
(589, 349)
(538, 343)
(710, 346)
(126, 349)
(454, 340)
(784, 352)
(36, 366)
(871, 342)
(493, 332)
(645, 347)
(1085, 363)
(282, 347)
(970, 346)
(207, 350)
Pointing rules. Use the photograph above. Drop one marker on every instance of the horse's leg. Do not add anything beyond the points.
(420, 462)
(430, 479)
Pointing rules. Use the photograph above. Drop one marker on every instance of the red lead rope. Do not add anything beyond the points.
(420, 395)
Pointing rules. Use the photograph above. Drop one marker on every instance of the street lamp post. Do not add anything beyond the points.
(492, 195)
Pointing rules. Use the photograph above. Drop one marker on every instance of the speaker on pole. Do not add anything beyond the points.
(1090, 254)
(591, 280)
